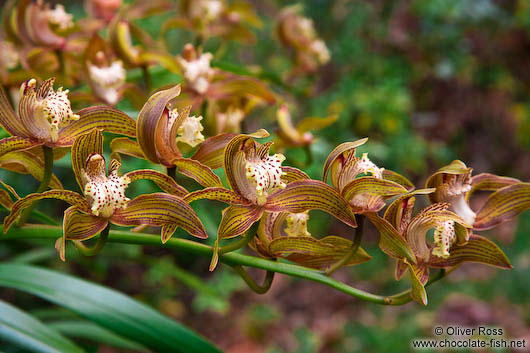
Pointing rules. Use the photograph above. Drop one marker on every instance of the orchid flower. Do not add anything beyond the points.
(46, 119)
(102, 9)
(450, 246)
(104, 200)
(285, 234)
(455, 186)
(259, 183)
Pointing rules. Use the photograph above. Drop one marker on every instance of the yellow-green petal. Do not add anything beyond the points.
(197, 171)
(368, 194)
(165, 182)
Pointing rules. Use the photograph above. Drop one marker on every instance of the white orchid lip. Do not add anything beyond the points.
(197, 71)
(105, 193)
(59, 17)
(297, 225)
(190, 130)
(107, 80)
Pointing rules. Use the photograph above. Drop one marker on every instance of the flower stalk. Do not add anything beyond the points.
(257, 288)
(355, 246)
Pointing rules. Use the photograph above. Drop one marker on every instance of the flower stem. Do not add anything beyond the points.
(243, 241)
(46, 177)
(230, 259)
(355, 246)
(147, 78)
(102, 240)
(260, 289)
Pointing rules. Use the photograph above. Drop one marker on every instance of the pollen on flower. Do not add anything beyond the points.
(366, 166)
(59, 17)
(297, 224)
(265, 175)
(107, 80)
(105, 193)
(444, 237)
(197, 72)
(190, 130)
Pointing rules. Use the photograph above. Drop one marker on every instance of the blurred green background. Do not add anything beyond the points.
(428, 82)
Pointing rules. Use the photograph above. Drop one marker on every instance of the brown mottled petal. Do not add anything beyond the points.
(197, 171)
(319, 254)
(303, 195)
(71, 197)
(100, 117)
(149, 118)
(217, 194)
(293, 174)
(340, 149)
(230, 152)
(25, 162)
(15, 143)
(165, 182)
(503, 205)
(160, 210)
(123, 145)
(391, 242)
(398, 178)
(84, 146)
(489, 182)
(396, 211)
(368, 194)
(210, 152)
(237, 219)
(9, 119)
(477, 249)
(418, 276)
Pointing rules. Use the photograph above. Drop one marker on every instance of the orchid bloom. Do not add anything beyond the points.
(404, 237)
(196, 68)
(259, 183)
(106, 78)
(9, 57)
(46, 118)
(285, 234)
(299, 33)
(102, 9)
(455, 186)
(104, 199)
(366, 193)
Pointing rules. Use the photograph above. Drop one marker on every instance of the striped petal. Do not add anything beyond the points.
(503, 205)
(123, 145)
(210, 152)
(340, 149)
(160, 210)
(9, 119)
(24, 162)
(100, 117)
(217, 194)
(303, 195)
(15, 143)
(399, 212)
(166, 183)
(71, 197)
(197, 171)
(293, 174)
(489, 182)
(84, 146)
(398, 178)
(237, 219)
(368, 194)
(477, 249)
(419, 274)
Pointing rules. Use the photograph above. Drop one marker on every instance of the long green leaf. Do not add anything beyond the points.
(107, 308)
(23, 330)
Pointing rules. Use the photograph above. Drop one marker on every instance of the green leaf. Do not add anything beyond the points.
(24, 331)
(107, 308)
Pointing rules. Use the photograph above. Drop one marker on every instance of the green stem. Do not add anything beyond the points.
(172, 173)
(355, 246)
(231, 259)
(102, 240)
(241, 242)
(46, 177)
(260, 289)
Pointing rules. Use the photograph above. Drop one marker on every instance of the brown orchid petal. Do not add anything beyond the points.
(149, 121)
(197, 171)
(160, 210)
(217, 194)
(237, 219)
(367, 194)
(319, 254)
(401, 268)
(270, 227)
(100, 117)
(231, 149)
(126, 146)
(5, 199)
(477, 249)
(340, 149)
(398, 178)
(489, 182)
(71, 197)
(38, 27)
(26, 163)
(303, 195)
(399, 212)
(503, 205)
(455, 168)
(210, 152)
(240, 85)
(82, 148)
(15, 143)
(9, 119)
(166, 183)
(391, 242)
(81, 226)
(293, 174)
(418, 277)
